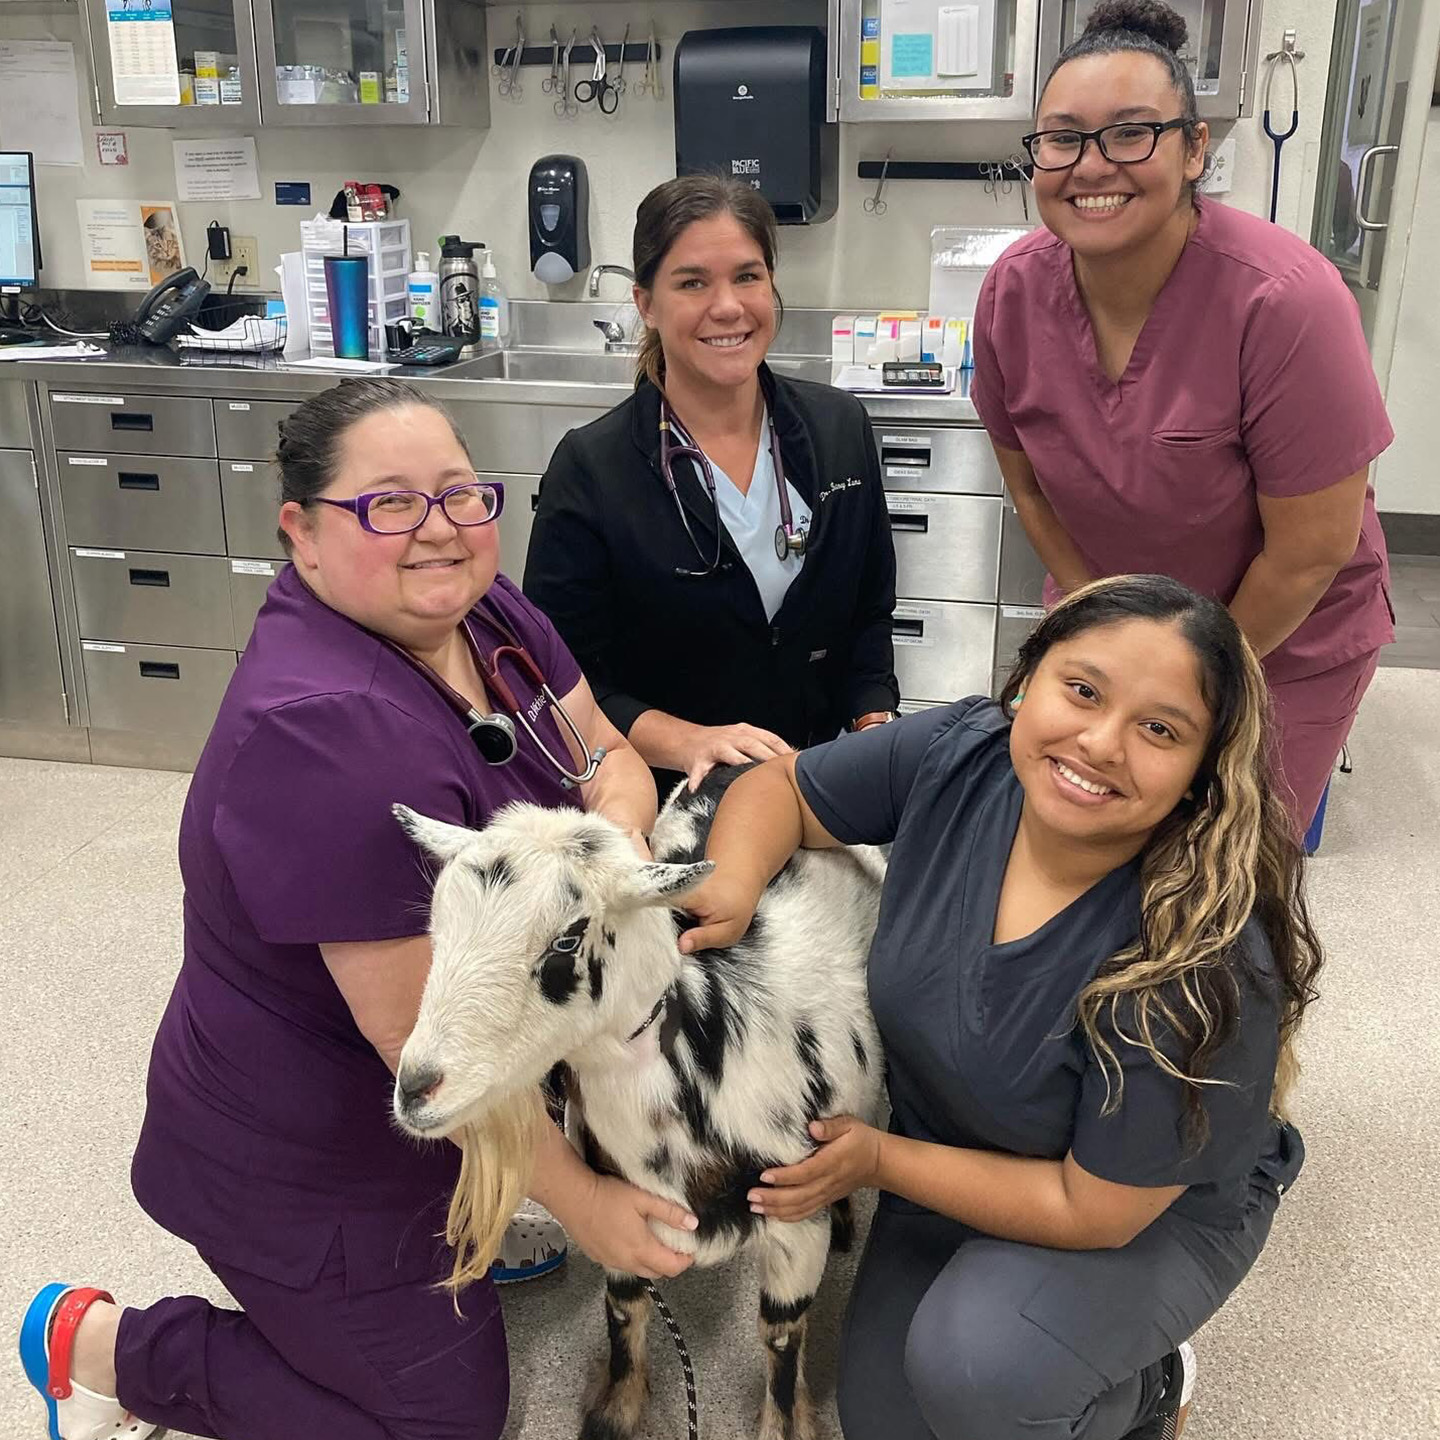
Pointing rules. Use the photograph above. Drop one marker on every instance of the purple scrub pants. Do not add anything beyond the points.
(1313, 716)
(319, 1363)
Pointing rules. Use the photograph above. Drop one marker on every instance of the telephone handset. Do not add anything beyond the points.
(166, 309)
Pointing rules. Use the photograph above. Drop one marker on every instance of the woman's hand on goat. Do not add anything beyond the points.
(848, 1159)
(724, 905)
(730, 745)
(613, 1229)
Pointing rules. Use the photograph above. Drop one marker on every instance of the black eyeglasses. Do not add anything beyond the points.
(1125, 143)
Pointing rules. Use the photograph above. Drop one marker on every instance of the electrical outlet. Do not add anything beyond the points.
(244, 250)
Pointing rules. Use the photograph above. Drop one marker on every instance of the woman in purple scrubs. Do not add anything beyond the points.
(1174, 386)
(268, 1143)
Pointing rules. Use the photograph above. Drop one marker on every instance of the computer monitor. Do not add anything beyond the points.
(19, 223)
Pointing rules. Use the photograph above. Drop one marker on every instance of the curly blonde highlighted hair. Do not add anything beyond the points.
(1226, 854)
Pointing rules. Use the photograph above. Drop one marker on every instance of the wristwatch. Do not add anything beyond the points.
(873, 717)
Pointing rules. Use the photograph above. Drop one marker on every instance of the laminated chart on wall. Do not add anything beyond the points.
(937, 45)
(142, 52)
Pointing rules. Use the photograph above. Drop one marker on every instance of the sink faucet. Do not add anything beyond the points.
(594, 287)
(616, 340)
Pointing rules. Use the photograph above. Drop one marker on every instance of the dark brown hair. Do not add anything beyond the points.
(310, 437)
(662, 217)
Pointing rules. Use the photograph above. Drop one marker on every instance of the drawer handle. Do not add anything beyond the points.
(129, 480)
(137, 421)
(914, 524)
(160, 578)
(914, 628)
(534, 502)
(905, 455)
(159, 670)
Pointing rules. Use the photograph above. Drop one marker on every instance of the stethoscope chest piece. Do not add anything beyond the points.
(789, 543)
(494, 737)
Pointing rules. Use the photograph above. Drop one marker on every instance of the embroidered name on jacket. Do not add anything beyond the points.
(854, 482)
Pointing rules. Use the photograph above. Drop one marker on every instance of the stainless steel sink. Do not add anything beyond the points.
(570, 367)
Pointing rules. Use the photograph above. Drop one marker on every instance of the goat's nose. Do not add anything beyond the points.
(417, 1084)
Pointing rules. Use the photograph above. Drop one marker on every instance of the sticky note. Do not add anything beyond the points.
(912, 57)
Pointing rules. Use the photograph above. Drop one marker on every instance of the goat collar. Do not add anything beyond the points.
(648, 1021)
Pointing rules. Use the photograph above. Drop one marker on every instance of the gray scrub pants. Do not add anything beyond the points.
(957, 1335)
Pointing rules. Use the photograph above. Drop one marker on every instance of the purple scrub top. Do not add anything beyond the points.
(268, 1124)
(1251, 376)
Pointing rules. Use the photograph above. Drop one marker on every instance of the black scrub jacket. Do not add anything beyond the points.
(608, 539)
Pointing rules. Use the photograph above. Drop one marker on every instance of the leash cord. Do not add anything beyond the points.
(691, 1405)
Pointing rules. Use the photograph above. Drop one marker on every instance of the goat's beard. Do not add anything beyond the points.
(497, 1157)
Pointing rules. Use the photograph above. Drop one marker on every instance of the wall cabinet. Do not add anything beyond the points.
(243, 63)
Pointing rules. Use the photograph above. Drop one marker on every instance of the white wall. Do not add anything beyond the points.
(473, 183)
(1406, 477)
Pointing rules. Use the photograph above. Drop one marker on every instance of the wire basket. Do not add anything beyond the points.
(251, 334)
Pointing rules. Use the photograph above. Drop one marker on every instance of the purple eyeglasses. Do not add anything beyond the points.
(396, 512)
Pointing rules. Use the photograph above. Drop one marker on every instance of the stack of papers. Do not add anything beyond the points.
(80, 350)
(249, 332)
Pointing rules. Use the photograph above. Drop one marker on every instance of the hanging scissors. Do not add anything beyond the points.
(874, 204)
(618, 84)
(509, 83)
(597, 87)
(566, 105)
(651, 85)
(503, 63)
(1016, 165)
(1278, 138)
(551, 84)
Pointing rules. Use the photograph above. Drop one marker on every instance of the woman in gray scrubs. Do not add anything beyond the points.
(1091, 961)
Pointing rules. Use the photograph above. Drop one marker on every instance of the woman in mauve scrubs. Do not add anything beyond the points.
(1174, 386)
(268, 1141)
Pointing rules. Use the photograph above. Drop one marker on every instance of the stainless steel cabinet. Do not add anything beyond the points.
(153, 597)
(522, 494)
(943, 651)
(31, 684)
(251, 492)
(250, 581)
(155, 689)
(142, 501)
(133, 425)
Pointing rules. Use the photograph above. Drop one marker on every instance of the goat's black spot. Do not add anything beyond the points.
(716, 1191)
(784, 1375)
(497, 872)
(818, 1090)
(559, 977)
(626, 1289)
(609, 935)
(617, 1322)
(782, 1312)
(783, 1119)
(597, 1426)
(842, 1226)
(660, 1162)
(861, 1058)
(588, 844)
(752, 939)
(597, 977)
(571, 892)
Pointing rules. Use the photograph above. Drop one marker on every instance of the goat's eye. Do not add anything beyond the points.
(566, 944)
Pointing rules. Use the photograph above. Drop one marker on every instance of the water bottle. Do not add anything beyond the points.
(460, 292)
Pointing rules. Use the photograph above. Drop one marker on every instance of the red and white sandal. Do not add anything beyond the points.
(47, 1342)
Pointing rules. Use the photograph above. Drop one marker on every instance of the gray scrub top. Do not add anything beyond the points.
(980, 1039)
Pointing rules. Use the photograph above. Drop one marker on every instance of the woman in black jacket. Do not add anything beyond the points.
(716, 643)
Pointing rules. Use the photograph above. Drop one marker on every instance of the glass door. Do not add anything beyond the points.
(1369, 84)
(342, 62)
(174, 63)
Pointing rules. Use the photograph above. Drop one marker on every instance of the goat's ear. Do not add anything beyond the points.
(657, 884)
(436, 837)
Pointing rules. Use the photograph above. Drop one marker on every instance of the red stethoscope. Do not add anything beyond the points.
(495, 736)
(789, 539)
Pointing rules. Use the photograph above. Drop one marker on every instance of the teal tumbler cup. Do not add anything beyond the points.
(347, 284)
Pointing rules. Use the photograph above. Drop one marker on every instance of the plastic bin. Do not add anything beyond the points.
(387, 243)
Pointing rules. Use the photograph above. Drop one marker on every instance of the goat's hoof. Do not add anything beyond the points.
(776, 1424)
(616, 1413)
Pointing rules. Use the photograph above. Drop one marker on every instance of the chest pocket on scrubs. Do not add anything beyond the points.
(1193, 477)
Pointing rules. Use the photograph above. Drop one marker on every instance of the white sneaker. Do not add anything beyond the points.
(1187, 1360)
(534, 1245)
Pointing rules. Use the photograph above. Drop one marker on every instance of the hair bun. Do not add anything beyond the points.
(1152, 18)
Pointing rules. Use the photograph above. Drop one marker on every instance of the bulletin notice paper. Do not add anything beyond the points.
(216, 169)
(128, 244)
(39, 100)
(142, 52)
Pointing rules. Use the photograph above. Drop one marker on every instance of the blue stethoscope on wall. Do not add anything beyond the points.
(790, 539)
(1278, 138)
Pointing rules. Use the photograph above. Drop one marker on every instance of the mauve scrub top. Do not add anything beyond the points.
(1251, 377)
(268, 1124)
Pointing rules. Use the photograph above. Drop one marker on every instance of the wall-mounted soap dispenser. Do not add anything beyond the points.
(559, 202)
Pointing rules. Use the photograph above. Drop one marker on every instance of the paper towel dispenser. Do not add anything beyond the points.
(751, 103)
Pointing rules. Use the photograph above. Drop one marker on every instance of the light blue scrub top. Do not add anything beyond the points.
(751, 519)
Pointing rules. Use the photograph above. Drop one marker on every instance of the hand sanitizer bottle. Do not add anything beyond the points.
(422, 294)
(494, 305)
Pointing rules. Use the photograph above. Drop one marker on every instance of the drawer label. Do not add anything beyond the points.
(239, 405)
(96, 645)
(87, 460)
(912, 639)
(87, 399)
(243, 469)
(1022, 612)
(908, 504)
(100, 554)
(905, 439)
(905, 472)
(252, 567)
(914, 612)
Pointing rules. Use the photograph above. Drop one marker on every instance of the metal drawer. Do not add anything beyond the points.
(1012, 627)
(15, 414)
(150, 688)
(153, 598)
(1022, 572)
(149, 502)
(947, 547)
(251, 493)
(522, 494)
(957, 460)
(250, 429)
(137, 425)
(250, 581)
(943, 651)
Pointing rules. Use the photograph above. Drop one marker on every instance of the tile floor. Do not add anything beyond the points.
(1415, 594)
(1333, 1335)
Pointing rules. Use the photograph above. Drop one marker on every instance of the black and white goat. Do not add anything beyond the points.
(554, 942)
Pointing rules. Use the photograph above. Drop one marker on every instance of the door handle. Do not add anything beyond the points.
(913, 628)
(1362, 179)
(160, 578)
(130, 480)
(915, 524)
(137, 421)
(159, 670)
